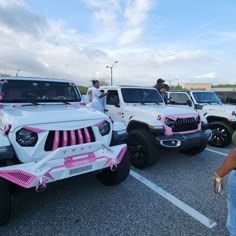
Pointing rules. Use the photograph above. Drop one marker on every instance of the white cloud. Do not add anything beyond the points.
(136, 11)
(130, 36)
(51, 49)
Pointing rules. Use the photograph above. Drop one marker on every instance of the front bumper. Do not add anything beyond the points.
(64, 163)
(184, 141)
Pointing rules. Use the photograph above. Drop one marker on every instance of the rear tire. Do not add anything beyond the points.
(109, 178)
(221, 134)
(142, 148)
(194, 150)
(5, 202)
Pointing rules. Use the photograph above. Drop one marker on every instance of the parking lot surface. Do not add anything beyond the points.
(83, 206)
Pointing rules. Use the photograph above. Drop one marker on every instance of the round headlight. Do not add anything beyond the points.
(26, 138)
(104, 128)
(169, 122)
(198, 119)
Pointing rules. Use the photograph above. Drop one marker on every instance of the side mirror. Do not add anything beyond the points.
(85, 99)
(189, 102)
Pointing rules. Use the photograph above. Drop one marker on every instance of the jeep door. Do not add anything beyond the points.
(180, 99)
(112, 107)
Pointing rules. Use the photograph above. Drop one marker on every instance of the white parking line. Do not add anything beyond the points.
(217, 152)
(181, 205)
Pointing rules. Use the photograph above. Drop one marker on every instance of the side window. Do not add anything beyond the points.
(179, 99)
(113, 98)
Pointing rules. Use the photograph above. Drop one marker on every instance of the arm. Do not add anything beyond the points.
(228, 165)
(103, 95)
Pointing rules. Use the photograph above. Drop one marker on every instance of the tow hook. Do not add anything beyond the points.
(41, 185)
(113, 167)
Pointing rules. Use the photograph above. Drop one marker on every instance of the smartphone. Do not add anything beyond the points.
(219, 189)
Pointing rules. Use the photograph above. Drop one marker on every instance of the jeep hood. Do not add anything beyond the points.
(47, 114)
(220, 108)
(161, 110)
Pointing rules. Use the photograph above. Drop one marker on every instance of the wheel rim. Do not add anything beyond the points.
(136, 152)
(219, 135)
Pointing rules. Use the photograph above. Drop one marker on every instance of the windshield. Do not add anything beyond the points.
(134, 95)
(19, 91)
(206, 97)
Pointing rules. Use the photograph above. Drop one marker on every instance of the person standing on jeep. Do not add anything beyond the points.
(98, 97)
(160, 87)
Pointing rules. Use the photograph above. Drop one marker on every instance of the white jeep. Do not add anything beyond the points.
(48, 134)
(221, 117)
(152, 125)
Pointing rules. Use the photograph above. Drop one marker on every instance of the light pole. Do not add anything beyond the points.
(171, 81)
(111, 67)
(17, 72)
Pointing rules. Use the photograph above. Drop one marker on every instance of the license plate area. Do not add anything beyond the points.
(80, 169)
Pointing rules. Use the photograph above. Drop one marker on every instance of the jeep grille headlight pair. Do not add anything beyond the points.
(26, 137)
(104, 128)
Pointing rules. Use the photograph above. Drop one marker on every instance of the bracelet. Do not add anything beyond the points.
(217, 178)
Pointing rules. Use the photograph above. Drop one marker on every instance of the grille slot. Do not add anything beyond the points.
(185, 124)
(65, 138)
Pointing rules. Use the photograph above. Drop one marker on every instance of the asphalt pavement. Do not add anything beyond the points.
(173, 197)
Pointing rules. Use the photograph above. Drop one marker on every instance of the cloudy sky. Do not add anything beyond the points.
(178, 40)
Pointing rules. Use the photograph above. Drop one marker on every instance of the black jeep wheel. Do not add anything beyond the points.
(109, 178)
(221, 134)
(142, 148)
(195, 150)
(5, 201)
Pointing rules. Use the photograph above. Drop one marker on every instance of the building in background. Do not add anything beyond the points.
(197, 86)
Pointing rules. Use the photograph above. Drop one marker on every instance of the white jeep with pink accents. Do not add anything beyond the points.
(48, 134)
(153, 125)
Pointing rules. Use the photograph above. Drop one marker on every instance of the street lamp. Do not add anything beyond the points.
(171, 81)
(17, 72)
(111, 67)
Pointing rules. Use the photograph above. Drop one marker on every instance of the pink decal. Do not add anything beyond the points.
(39, 106)
(87, 135)
(18, 177)
(65, 139)
(83, 104)
(81, 139)
(82, 149)
(18, 106)
(72, 161)
(64, 152)
(35, 130)
(73, 150)
(6, 129)
(72, 138)
(47, 174)
(100, 123)
(1, 106)
(71, 105)
(44, 181)
(56, 140)
(121, 154)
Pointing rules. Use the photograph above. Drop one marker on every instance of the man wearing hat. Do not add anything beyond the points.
(160, 87)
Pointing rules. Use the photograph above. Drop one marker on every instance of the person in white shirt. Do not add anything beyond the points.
(98, 97)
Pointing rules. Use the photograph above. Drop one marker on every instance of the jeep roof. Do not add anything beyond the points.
(34, 78)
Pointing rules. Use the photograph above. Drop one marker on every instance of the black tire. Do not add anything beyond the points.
(221, 134)
(5, 202)
(142, 148)
(110, 178)
(195, 150)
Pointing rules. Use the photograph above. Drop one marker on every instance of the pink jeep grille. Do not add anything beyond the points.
(65, 138)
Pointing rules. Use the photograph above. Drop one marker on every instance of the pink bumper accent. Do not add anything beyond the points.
(18, 177)
(35, 130)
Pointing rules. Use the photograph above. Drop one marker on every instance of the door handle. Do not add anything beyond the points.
(106, 110)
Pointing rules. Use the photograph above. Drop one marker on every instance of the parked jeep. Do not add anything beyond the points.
(48, 134)
(221, 118)
(152, 125)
